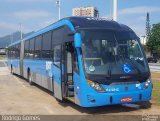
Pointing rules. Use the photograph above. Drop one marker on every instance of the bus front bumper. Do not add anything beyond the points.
(101, 99)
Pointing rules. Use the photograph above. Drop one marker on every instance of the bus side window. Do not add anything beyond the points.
(57, 55)
(38, 42)
(13, 52)
(31, 52)
(26, 51)
(46, 46)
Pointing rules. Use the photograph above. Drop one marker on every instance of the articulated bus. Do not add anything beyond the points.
(89, 61)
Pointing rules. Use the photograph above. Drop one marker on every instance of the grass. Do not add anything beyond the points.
(156, 88)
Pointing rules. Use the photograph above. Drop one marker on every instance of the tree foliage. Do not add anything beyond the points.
(153, 43)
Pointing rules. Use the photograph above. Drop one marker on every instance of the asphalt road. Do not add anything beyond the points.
(18, 97)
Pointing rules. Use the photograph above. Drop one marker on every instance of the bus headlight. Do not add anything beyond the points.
(147, 83)
(96, 86)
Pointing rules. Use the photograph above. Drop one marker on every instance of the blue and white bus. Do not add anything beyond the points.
(89, 61)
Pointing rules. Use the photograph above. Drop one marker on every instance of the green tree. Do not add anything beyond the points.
(153, 43)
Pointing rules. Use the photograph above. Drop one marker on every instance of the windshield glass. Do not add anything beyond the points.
(107, 52)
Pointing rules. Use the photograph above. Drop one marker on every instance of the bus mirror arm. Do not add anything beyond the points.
(71, 33)
(77, 40)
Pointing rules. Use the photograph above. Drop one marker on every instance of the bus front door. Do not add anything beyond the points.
(68, 71)
(63, 75)
(57, 72)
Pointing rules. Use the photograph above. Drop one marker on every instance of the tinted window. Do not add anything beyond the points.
(57, 55)
(31, 53)
(26, 51)
(102, 48)
(9, 53)
(47, 41)
(38, 45)
(57, 36)
(32, 44)
(67, 38)
(17, 51)
(13, 51)
(46, 46)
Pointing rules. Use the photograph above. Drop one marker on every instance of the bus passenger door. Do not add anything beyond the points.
(68, 86)
(57, 72)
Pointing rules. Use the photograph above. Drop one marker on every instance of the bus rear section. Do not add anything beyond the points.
(14, 58)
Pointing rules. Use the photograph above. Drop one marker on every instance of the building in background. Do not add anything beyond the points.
(143, 40)
(85, 11)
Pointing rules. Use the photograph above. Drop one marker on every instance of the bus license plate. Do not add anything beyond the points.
(126, 99)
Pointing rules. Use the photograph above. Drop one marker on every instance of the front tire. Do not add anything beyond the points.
(61, 101)
(145, 104)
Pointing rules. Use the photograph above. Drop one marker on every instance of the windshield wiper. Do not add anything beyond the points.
(135, 66)
(109, 71)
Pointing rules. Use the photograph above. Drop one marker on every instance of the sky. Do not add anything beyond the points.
(37, 14)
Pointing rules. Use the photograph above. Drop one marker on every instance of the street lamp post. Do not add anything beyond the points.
(115, 10)
(21, 30)
(58, 2)
(143, 40)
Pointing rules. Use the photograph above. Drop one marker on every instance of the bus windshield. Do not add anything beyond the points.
(109, 52)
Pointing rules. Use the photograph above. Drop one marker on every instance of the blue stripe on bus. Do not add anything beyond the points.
(36, 66)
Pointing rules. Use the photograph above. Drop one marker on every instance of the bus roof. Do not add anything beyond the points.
(79, 23)
(92, 22)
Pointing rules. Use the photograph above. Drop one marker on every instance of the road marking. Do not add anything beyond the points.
(49, 110)
(155, 71)
(5, 63)
(154, 67)
(3, 69)
(23, 85)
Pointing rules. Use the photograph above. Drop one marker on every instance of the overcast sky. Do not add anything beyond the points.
(36, 14)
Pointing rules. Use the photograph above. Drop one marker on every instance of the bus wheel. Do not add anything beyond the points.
(145, 104)
(30, 78)
(61, 101)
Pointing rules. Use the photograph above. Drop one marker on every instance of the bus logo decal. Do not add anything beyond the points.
(49, 68)
(127, 68)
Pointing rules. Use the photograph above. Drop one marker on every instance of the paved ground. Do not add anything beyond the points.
(2, 64)
(154, 67)
(18, 97)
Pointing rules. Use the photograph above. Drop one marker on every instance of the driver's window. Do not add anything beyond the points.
(134, 50)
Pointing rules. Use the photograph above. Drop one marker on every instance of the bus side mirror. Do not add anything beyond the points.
(77, 40)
